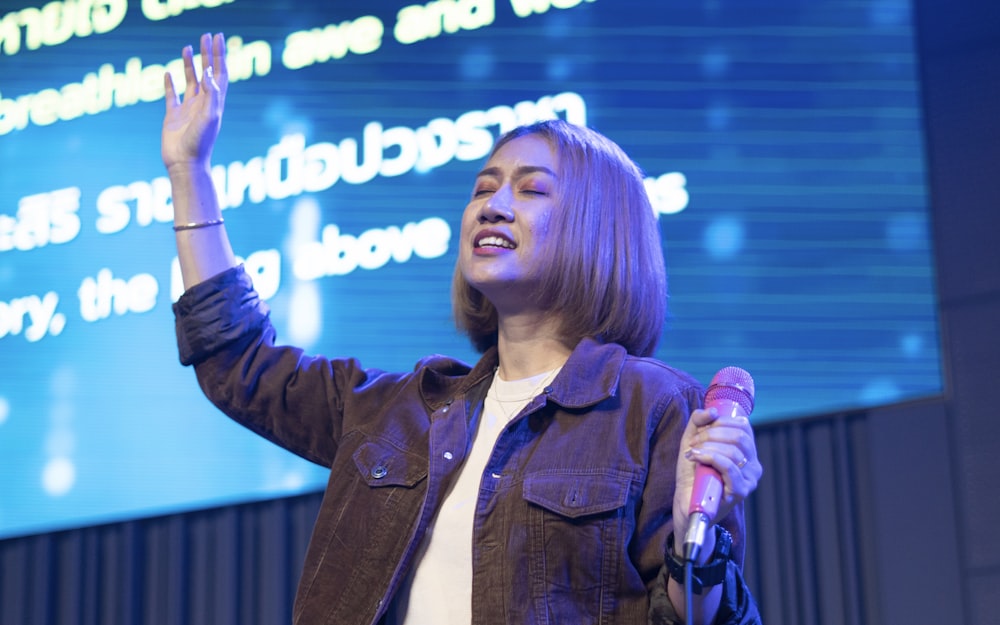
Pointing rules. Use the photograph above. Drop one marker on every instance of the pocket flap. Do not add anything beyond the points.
(383, 464)
(575, 495)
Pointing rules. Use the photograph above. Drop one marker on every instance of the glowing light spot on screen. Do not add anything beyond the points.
(58, 477)
(718, 116)
(281, 479)
(559, 68)
(305, 314)
(305, 305)
(912, 345)
(4, 410)
(293, 481)
(476, 64)
(724, 238)
(715, 64)
(880, 391)
(279, 114)
(889, 12)
(906, 233)
(295, 128)
(304, 221)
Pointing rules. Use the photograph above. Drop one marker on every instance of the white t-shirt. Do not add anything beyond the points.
(438, 590)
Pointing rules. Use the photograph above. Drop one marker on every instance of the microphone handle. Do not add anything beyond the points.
(707, 491)
(704, 506)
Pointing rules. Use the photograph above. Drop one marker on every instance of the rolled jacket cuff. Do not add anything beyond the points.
(216, 313)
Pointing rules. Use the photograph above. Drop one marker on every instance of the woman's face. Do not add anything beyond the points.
(505, 226)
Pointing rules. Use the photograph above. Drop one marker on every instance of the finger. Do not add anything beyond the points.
(723, 457)
(190, 80)
(170, 94)
(704, 416)
(731, 439)
(219, 67)
(206, 52)
(209, 84)
(213, 91)
(737, 481)
(736, 432)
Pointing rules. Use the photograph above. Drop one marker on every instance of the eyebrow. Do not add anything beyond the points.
(520, 172)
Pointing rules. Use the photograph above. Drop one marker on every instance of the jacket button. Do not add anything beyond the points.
(448, 455)
(379, 472)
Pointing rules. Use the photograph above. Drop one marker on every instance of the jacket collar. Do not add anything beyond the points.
(590, 375)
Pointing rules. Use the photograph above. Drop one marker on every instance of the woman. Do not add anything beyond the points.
(539, 485)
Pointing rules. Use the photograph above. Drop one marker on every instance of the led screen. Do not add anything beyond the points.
(781, 140)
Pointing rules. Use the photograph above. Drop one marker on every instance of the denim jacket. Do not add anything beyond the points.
(574, 506)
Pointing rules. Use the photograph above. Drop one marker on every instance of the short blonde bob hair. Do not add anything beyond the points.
(607, 279)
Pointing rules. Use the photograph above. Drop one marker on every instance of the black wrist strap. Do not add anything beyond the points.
(712, 573)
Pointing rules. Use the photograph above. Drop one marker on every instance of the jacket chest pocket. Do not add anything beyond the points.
(578, 525)
(381, 464)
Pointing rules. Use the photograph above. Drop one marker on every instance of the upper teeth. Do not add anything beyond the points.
(496, 241)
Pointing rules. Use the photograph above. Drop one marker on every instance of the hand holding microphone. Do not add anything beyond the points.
(724, 445)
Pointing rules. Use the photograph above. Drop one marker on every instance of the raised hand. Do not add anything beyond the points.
(189, 132)
(191, 127)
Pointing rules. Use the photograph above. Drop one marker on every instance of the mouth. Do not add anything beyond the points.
(493, 240)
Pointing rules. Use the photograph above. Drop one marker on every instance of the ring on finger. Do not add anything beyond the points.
(742, 463)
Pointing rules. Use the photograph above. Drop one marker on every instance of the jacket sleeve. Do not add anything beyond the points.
(737, 606)
(294, 400)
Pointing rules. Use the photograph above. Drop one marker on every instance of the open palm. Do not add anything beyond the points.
(191, 127)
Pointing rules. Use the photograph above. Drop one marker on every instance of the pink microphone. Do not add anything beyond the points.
(731, 394)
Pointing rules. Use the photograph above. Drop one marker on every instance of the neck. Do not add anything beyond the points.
(528, 347)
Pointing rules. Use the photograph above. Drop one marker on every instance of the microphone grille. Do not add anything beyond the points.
(733, 384)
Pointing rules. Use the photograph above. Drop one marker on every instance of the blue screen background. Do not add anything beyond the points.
(783, 141)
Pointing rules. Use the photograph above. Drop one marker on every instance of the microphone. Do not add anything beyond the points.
(731, 393)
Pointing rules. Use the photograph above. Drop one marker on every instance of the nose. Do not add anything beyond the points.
(497, 207)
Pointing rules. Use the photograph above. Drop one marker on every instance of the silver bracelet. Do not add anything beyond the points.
(195, 224)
